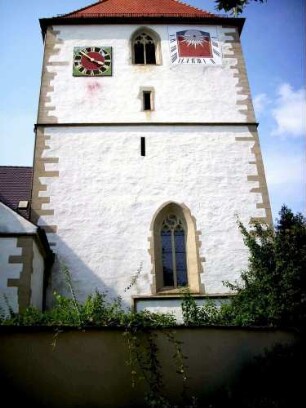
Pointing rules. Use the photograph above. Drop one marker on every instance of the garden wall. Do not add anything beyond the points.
(87, 368)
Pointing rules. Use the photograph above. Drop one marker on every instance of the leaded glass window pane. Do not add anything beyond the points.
(167, 258)
(139, 53)
(173, 243)
(180, 257)
(150, 53)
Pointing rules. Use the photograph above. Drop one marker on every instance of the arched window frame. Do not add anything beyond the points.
(141, 32)
(192, 249)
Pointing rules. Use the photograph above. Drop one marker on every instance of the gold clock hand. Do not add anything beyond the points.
(85, 55)
(98, 62)
(91, 59)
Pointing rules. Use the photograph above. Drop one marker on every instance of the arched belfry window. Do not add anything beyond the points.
(173, 245)
(145, 47)
(175, 249)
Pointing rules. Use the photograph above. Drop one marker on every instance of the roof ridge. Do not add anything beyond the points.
(189, 5)
(125, 11)
(82, 8)
(11, 166)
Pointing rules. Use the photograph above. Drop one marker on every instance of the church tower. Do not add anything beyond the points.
(146, 151)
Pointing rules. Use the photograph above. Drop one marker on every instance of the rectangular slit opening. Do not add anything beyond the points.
(147, 100)
(143, 146)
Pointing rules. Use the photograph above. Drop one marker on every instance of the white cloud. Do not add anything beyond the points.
(261, 101)
(285, 173)
(285, 167)
(289, 111)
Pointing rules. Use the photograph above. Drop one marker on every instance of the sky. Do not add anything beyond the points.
(273, 41)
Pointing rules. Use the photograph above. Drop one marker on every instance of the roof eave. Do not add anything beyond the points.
(227, 21)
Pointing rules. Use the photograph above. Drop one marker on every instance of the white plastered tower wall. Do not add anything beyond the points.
(96, 196)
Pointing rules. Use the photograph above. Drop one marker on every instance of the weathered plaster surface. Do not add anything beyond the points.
(189, 93)
(8, 248)
(106, 195)
(37, 278)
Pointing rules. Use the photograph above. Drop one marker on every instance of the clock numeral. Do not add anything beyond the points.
(212, 61)
(172, 38)
(216, 52)
(199, 61)
(215, 44)
(173, 48)
(174, 57)
(181, 61)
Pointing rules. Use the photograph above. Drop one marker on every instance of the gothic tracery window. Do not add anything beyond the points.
(173, 245)
(144, 49)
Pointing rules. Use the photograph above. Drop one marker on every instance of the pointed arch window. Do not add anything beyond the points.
(145, 47)
(175, 256)
(173, 245)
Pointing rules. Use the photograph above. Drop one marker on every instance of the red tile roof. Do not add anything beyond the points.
(139, 8)
(140, 11)
(15, 186)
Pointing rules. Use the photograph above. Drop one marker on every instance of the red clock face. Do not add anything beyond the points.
(92, 61)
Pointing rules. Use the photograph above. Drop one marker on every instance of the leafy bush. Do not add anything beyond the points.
(272, 291)
(195, 315)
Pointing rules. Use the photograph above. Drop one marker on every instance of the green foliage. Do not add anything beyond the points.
(208, 313)
(236, 7)
(96, 311)
(273, 289)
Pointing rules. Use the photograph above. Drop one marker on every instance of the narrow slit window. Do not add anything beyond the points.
(143, 146)
(147, 100)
